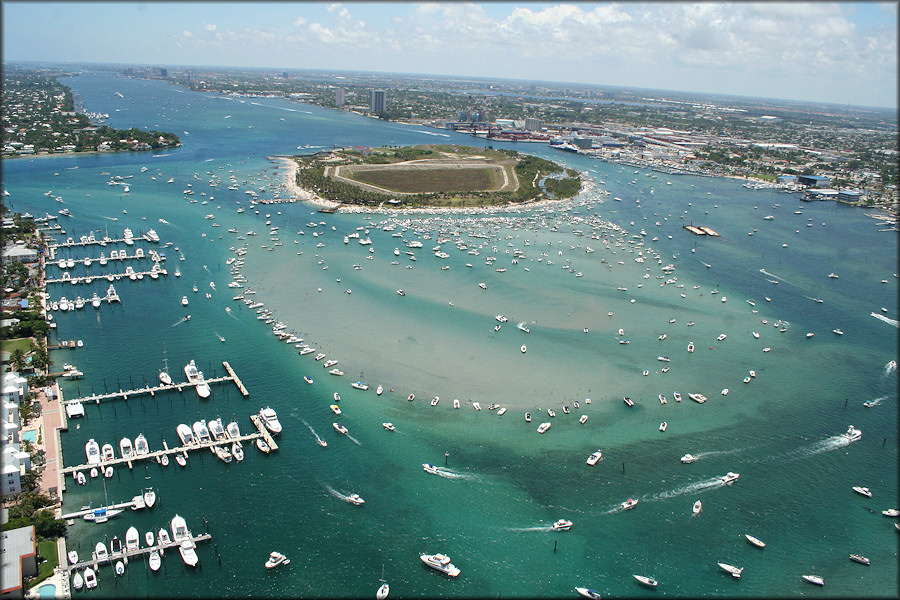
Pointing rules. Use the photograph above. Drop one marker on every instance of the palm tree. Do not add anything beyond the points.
(17, 359)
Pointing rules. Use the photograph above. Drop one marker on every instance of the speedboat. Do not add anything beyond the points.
(699, 398)
(543, 427)
(853, 434)
(583, 419)
(561, 525)
(92, 450)
(628, 401)
(275, 559)
(140, 445)
(184, 432)
(355, 499)
(735, 571)
(891, 512)
(339, 428)
(755, 541)
(628, 504)
(379, 390)
(430, 468)
(115, 547)
(188, 555)
(588, 593)
(101, 515)
(440, 562)
(663, 426)
(594, 457)
(648, 581)
(388, 426)
(90, 578)
(863, 491)
(730, 478)
(860, 559)
(179, 529)
(698, 506)
(335, 409)
(688, 458)
(270, 420)
(813, 579)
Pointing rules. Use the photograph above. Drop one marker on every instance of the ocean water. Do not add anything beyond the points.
(501, 484)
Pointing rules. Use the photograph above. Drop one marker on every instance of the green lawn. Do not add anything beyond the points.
(22, 343)
(431, 180)
(47, 551)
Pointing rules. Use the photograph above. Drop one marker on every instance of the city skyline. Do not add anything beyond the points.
(841, 53)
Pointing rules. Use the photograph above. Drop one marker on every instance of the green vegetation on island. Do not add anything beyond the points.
(434, 176)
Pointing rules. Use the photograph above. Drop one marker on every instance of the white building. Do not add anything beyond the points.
(14, 462)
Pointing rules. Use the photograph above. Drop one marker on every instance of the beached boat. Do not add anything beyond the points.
(440, 562)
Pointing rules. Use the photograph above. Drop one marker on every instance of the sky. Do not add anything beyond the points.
(843, 53)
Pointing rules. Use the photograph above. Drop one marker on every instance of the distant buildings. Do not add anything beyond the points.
(532, 124)
(15, 462)
(817, 181)
(340, 97)
(377, 101)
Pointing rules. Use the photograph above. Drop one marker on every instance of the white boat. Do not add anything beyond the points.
(813, 579)
(594, 457)
(430, 468)
(155, 560)
(73, 556)
(165, 378)
(699, 398)
(734, 571)
(149, 538)
(140, 445)
(191, 372)
(92, 450)
(382, 592)
(355, 499)
(561, 525)
(628, 401)
(181, 460)
(179, 529)
(583, 419)
(120, 567)
(262, 445)
(688, 458)
(188, 555)
(184, 433)
(237, 451)
(721, 337)
(588, 593)
(77, 581)
(201, 387)
(132, 539)
(730, 478)
(440, 562)
(698, 506)
(216, 430)
(860, 559)
(648, 581)
(270, 420)
(100, 552)
(628, 504)
(543, 427)
(339, 428)
(853, 434)
(755, 541)
(80, 478)
(864, 491)
(275, 559)
(90, 578)
(388, 426)
(223, 453)
(663, 426)
(891, 512)
(379, 390)
(107, 452)
(163, 538)
(359, 385)
(149, 497)
(233, 430)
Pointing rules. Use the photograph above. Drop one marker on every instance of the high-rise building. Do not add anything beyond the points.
(377, 101)
(532, 124)
(339, 97)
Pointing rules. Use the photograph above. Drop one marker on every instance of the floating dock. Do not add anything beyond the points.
(112, 558)
(115, 277)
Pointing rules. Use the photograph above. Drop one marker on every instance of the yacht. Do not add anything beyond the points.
(149, 497)
(90, 578)
(101, 515)
(355, 499)
(275, 559)
(588, 593)
(202, 387)
(430, 468)
(92, 450)
(126, 448)
(115, 547)
(863, 491)
(648, 581)
(628, 504)
(270, 420)
(188, 555)
(755, 541)
(184, 432)
(730, 478)
(140, 445)
(853, 434)
(735, 571)
(860, 559)
(440, 562)
(543, 427)
(216, 429)
(233, 430)
(813, 579)
(561, 525)
(191, 372)
(339, 428)
(132, 539)
(688, 458)
(201, 432)
(179, 529)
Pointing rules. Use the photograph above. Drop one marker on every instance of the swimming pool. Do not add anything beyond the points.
(31, 436)
(48, 590)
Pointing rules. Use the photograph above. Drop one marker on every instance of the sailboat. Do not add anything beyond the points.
(164, 376)
(382, 592)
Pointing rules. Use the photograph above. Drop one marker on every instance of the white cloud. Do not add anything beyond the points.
(186, 34)
(299, 21)
(210, 27)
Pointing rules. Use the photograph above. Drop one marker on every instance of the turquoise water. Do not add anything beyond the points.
(504, 484)
(48, 590)
(31, 436)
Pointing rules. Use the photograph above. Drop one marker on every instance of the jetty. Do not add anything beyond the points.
(114, 277)
(130, 504)
(126, 554)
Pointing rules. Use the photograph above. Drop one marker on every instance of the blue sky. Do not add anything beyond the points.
(845, 53)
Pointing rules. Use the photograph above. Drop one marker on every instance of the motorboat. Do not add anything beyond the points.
(188, 555)
(275, 559)
(107, 452)
(628, 504)
(115, 546)
(102, 515)
(663, 426)
(335, 409)
(202, 387)
(165, 378)
(721, 337)
(77, 580)
(435, 400)
(73, 556)
(690, 347)
(662, 398)
(262, 445)
(528, 417)
(179, 529)
(216, 429)
(813, 579)
(307, 379)
(853, 434)
(339, 428)
(90, 578)
(561, 525)
(92, 450)
(583, 419)
(698, 506)
(543, 427)
(456, 403)
(860, 559)
(184, 433)
(648, 581)
(430, 468)
(359, 385)
(755, 541)
(270, 419)
(155, 560)
(336, 396)
(100, 551)
(149, 538)
(699, 398)
(162, 536)
(237, 451)
(140, 445)
(355, 499)
(181, 460)
(132, 539)
(734, 571)
(223, 453)
(891, 512)
(149, 497)
(628, 401)
(588, 593)
(864, 491)
(233, 430)
(379, 390)
(688, 458)
(730, 478)
(191, 372)
(440, 562)
(388, 426)
(594, 457)
(80, 478)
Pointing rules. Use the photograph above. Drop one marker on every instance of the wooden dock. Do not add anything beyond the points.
(264, 432)
(116, 277)
(81, 513)
(125, 554)
(152, 390)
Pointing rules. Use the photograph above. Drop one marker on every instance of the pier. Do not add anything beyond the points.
(125, 554)
(115, 277)
(87, 511)
(257, 422)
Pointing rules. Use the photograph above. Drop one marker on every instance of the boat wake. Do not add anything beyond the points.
(446, 135)
(537, 528)
(337, 494)
(353, 439)
(313, 431)
(205, 268)
(231, 314)
(110, 218)
(163, 221)
(451, 474)
(180, 321)
(890, 367)
(888, 320)
(690, 488)
(221, 339)
(876, 401)
(720, 452)
(764, 272)
(832, 443)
